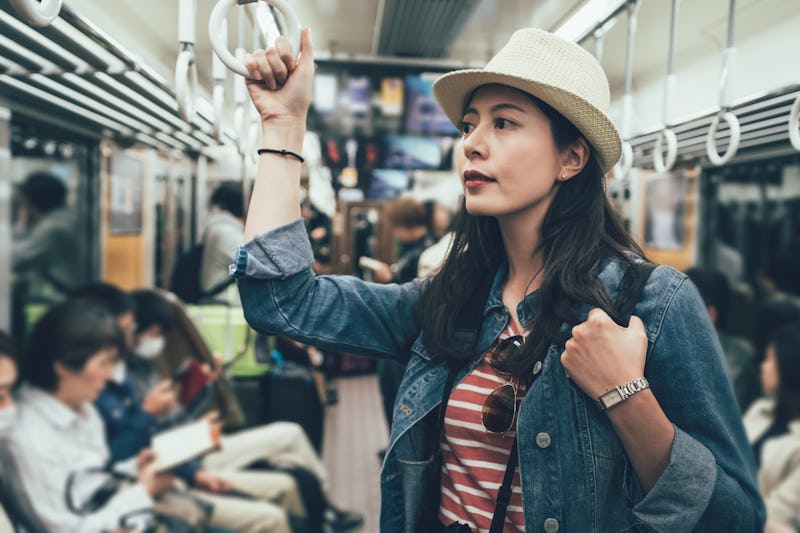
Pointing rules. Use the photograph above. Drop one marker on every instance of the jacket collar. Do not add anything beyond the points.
(610, 271)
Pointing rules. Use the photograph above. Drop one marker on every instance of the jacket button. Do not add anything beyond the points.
(543, 441)
(537, 367)
(551, 525)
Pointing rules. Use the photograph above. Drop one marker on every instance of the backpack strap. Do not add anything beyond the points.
(470, 317)
(630, 290)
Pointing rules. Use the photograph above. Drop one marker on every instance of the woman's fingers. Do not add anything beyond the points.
(278, 67)
(286, 54)
(273, 66)
(252, 67)
(306, 47)
(265, 69)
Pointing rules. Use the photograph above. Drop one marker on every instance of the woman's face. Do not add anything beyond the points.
(770, 378)
(85, 385)
(510, 162)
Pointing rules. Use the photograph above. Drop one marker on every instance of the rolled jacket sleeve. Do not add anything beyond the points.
(280, 294)
(709, 484)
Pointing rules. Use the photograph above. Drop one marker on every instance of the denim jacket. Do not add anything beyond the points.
(574, 471)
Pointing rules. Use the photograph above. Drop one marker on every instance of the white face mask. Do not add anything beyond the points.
(7, 417)
(119, 372)
(150, 348)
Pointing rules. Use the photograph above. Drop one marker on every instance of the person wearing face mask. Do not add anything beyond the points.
(283, 444)
(58, 433)
(8, 378)
(132, 417)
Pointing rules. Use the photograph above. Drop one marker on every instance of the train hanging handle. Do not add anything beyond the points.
(217, 21)
(725, 101)
(186, 65)
(659, 162)
(36, 12)
(625, 164)
(220, 74)
(794, 124)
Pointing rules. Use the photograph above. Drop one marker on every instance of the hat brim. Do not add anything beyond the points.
(453, 89)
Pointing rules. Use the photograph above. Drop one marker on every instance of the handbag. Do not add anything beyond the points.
(173, 511)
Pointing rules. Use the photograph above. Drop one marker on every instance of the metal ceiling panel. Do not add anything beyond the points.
(422, 28)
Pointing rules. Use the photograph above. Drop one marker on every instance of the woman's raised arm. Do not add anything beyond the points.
(280, 87)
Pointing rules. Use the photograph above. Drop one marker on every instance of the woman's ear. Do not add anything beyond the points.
(574, 158)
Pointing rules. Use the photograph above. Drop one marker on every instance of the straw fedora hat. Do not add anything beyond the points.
(556, 71)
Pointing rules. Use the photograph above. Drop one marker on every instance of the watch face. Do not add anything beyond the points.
(611, 397)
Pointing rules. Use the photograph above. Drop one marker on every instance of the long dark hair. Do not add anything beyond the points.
(579, 229)
(786, 342)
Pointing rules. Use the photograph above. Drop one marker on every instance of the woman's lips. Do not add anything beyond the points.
(474, 179)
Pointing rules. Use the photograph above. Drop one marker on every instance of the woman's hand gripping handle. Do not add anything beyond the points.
(281, 93)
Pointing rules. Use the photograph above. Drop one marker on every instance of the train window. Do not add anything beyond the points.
(53, 216)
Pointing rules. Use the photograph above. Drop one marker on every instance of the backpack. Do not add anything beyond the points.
(185, 279)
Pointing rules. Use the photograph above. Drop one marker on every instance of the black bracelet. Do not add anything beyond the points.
(281, 152)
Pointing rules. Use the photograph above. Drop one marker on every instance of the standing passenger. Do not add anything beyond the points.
(224, 233)
(535, 223)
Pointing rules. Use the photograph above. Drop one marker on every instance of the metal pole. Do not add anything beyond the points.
(5, 217)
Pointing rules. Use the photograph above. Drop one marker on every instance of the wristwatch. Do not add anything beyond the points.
(619, 394)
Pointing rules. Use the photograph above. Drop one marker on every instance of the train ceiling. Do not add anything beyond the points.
(127, 86)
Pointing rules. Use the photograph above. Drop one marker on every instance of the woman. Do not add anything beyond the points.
(536, 224)
(773, 427)
(59, 434)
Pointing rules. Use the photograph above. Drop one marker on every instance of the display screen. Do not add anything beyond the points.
(423, 114)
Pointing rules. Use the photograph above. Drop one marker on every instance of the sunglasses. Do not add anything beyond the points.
(500, 406)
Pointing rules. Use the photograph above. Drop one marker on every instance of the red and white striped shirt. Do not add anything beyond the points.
(473, 459)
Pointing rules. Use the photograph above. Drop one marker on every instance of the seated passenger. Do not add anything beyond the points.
(739, 353)
(58, 432)
(13, 500)
(131, 419)
(773, 428)
(282, 444)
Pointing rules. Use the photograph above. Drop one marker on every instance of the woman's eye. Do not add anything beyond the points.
(501, 123)
(465, 127)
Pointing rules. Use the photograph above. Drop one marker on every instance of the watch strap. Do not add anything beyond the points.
(620, 393)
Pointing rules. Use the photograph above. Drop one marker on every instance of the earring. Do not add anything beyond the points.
(564, 176)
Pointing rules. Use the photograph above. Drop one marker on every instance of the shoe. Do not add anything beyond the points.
(340, 520)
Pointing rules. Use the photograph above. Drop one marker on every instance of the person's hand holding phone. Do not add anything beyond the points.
(160, 399)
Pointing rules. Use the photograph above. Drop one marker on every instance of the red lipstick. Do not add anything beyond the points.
(474, 179)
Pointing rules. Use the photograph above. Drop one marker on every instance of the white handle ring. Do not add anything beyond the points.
(217, 35)
(794, 124)
(186, 84)
(219, 110)
(711, 139)
(659, 163)
(625, 164)
(36, 12)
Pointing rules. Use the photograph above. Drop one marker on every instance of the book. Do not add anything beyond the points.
(180, 445)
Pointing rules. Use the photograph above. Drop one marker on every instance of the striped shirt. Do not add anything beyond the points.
(474, 460)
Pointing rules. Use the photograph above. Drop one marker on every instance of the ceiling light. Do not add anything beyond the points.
(586, 19)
